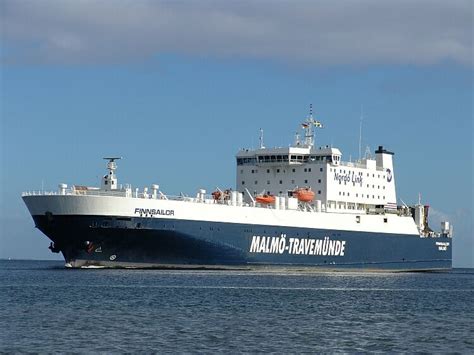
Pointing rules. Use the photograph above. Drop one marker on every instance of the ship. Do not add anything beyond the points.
(299, 206)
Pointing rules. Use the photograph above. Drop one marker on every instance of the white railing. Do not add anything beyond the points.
(111, 193)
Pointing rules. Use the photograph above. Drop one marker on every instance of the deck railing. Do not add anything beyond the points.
(111, 193)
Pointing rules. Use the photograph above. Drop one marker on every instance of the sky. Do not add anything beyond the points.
(176, 88)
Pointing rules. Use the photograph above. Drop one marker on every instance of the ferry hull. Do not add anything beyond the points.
(116, 241)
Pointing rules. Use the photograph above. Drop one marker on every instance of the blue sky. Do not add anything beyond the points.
(177, 89)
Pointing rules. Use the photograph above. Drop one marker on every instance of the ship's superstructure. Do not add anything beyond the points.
(339, 186)
(299, 205)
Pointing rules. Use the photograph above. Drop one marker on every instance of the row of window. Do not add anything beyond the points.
(286, 159)
(368, 185)
(343, 193)
(255, 171)
(280, 182)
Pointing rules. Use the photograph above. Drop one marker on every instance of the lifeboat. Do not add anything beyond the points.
(265, 199)
(304, 194)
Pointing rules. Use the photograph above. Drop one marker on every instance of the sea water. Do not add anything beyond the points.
(45, 307)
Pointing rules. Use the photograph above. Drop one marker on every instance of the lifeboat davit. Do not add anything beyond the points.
(265, 199)
(216, 195)
(304, 194)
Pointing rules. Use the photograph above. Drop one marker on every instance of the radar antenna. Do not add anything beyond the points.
(112, 158)
(111, 165)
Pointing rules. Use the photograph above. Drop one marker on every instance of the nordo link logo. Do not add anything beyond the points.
(297, 246)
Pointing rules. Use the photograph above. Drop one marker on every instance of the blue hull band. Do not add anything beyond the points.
(145, 242)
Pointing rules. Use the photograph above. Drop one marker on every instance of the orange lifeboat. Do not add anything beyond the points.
(304, 194)
(265, 199)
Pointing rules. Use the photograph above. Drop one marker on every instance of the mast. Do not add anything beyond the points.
(109, 181)
(360, 131)
(308, 126)
(262, 146)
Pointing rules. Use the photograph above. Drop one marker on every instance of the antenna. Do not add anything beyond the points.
(404, 204)
(297, 139)
(368, 155)
(262, 146)
(360, 130)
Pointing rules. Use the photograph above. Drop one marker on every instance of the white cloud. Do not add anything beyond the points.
(312, 32)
